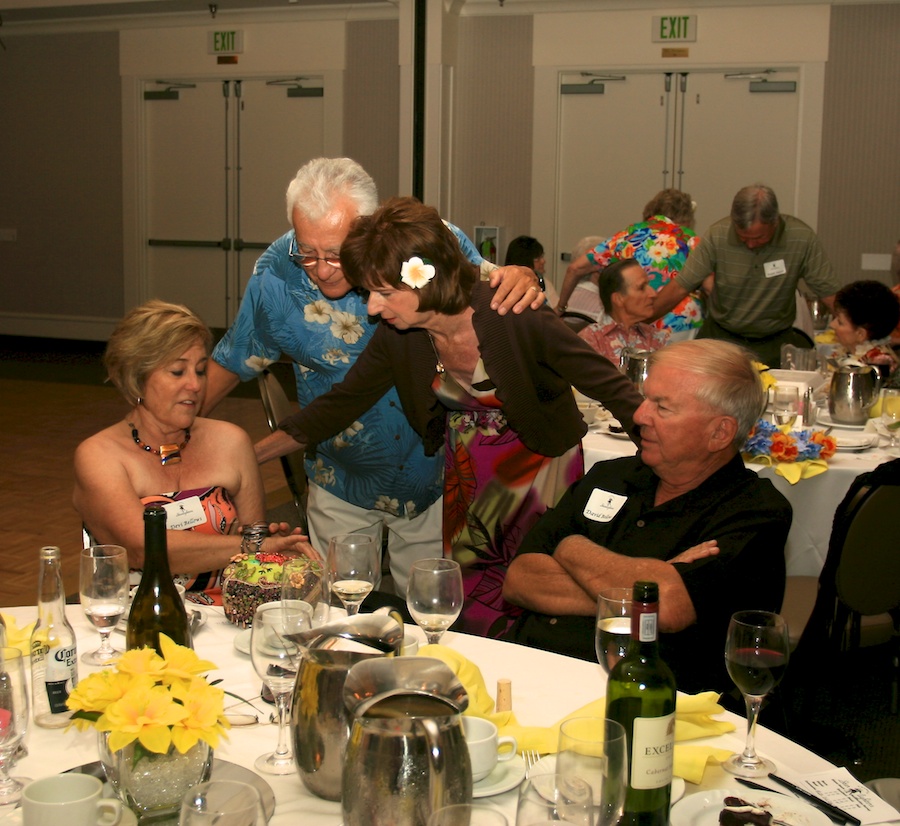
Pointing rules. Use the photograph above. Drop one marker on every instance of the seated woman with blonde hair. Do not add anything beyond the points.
(203, 471)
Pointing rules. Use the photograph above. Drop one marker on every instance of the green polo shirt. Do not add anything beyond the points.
(755, 290)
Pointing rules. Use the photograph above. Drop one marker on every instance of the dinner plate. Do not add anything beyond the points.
(548, 763)
(824, 418)
(702, 808)
(852, 441)
(221, 770)
(242, 641)
(605, 429)
(505, 776)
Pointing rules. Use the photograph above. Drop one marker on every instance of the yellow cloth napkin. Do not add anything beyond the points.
(18, 637)
(693, 718)
(795, 471)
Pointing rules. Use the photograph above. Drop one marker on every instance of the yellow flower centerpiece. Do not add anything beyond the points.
(159, 721)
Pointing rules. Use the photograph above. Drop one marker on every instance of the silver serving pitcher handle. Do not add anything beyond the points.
(407, 753)
(854, 389)
(320, 720)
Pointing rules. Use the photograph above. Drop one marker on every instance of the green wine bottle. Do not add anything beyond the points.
(157, 607)
(640, 694)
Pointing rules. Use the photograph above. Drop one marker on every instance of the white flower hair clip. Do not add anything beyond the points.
(416, 272)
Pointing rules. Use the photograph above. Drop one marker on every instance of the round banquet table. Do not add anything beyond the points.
(545, 688)
(813, 500)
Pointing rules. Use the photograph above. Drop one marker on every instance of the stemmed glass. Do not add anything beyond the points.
(756, 655)
(594, 749)
(785, 404)
(276, 659)
(890, 413)
(14, 719)
(222, 803)
(434, 595)
(554, 798)
(613, 626)
(353, 562)
(104, 595)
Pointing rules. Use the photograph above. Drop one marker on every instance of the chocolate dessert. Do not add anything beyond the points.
(739, 812)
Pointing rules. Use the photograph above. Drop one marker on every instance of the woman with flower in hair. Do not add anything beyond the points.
(494, 392)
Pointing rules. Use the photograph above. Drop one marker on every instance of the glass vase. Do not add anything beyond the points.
(152, 785)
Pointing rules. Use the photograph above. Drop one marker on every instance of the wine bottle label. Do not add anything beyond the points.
(647, 629)
(652, 751)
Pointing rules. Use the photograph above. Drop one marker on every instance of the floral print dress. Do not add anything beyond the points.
(495, 489)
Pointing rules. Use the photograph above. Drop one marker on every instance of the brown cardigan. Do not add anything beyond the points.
(533, 358)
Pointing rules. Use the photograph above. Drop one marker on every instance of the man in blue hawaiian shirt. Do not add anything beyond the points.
(298, 303)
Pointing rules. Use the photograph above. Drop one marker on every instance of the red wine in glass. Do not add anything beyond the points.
(756, 671)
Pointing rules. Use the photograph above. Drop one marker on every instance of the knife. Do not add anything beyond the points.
(834, 814)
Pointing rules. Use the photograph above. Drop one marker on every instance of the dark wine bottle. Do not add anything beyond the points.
(640, 694)
(157, 607)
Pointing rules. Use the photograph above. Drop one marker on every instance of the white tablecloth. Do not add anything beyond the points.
(814, 500)
(545, 688)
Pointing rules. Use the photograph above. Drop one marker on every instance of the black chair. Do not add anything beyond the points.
(860, 578)
(277, 407)
(577, 321)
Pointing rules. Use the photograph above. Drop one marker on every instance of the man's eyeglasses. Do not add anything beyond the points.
(307, 260)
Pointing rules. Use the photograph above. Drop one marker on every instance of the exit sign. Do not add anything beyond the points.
(676, 28)
(223, 43)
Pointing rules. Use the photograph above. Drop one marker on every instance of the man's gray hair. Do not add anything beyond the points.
(585, 245)
(731, 382)
(754, 203)
(320, 183)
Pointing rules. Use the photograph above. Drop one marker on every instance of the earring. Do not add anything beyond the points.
(140, 400)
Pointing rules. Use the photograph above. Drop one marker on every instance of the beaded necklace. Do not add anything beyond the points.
(168, 454)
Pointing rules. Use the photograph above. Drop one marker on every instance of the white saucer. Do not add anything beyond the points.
(242, 641)
(824, 418)
(854, 442)
(505, 776)
(14, 817)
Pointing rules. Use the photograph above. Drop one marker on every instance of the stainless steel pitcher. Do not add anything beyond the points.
(320, 720)
(854, 389)
(635, 364)
(407, 754)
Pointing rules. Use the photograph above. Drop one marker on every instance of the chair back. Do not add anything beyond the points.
(577, 321)
(278, 407)
(867, 578)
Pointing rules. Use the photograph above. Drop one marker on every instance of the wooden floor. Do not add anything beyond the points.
(41, 424)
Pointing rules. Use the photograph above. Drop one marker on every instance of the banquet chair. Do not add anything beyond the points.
(861, 576)
(277, 407)
(577, 321)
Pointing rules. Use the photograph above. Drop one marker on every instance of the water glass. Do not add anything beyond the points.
(14, 709)
(223, 803)
(434, 595)
(890, 413)
(103, 591)
(554, 798)
(594, 749)
(613, 626)
(785, 404)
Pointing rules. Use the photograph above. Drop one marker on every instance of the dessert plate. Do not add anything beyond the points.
(824, 418)
(702, 808)
(853, 441)
(505, 776)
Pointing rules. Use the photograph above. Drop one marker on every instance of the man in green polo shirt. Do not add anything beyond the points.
(757, 256)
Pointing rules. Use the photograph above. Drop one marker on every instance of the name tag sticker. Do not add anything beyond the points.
(773, 268)
(603, 505)
(184, 514)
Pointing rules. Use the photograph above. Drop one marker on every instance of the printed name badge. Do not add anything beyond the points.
(603, 505)
(184, 514)
(773, 268)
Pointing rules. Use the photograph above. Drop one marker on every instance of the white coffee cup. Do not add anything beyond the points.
(485, 746)
(73, 799)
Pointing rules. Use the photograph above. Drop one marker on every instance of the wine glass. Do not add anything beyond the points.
(14, 716)
(434, 595)
(890, 413)
(785, 404)
(594, 749)
(613, 626)
(223, 803)
(295, 584)
(554, 798)
(104, 595)
(756, 654)
(353, 563)
(276, 659)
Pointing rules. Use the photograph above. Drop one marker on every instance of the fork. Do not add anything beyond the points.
(531, 758)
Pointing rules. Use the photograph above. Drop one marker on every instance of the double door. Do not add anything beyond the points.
(218, 156)
(704, 132)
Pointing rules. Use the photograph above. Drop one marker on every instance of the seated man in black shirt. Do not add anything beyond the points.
(684, 512)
